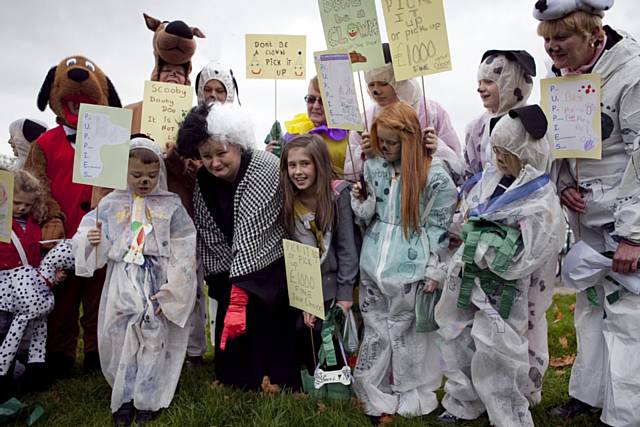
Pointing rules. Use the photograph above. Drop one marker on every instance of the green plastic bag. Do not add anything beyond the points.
(275, 134)
(426, 310)
(327, 358)
(13, 408)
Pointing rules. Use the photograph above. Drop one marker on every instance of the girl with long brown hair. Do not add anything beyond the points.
(317, 211)
(406, 207)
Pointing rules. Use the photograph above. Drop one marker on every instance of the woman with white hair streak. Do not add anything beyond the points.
(237, 203)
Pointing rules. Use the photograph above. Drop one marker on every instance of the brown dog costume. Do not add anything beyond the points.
(75, 80)
(173, 43)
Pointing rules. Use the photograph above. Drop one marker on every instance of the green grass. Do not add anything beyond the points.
(199, 401)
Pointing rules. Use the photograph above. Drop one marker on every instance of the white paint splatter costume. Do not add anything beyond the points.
(398, 369)
(141, 352)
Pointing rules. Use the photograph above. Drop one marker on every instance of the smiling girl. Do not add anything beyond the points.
(406, 208)
(317, 212)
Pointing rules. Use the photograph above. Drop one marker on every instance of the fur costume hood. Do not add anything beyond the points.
(173, 43)
(75, 80)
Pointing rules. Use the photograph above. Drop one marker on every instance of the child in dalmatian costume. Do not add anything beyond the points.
(25, 281)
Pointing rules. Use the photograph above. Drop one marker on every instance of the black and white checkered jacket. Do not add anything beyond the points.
(258, 232)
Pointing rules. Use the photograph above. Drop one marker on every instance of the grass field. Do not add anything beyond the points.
(200, 401)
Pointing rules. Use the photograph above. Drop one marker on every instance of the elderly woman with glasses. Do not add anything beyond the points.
(603, 203)
(315, 122)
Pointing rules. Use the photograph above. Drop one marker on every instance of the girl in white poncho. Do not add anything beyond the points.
(148, 242)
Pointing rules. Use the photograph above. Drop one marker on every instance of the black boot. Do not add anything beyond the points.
(35, 378)
(573, 408)
(59, 365)
(124, 415)
(91, 361)
(7, 389)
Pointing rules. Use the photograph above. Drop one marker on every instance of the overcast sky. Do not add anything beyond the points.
(39, 33)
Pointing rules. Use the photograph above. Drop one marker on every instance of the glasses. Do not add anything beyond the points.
(310, 99)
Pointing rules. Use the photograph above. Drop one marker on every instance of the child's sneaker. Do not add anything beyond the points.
(448, 418)
(124, 415)
(143, 417)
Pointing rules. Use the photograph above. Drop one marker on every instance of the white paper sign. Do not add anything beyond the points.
(338, 90)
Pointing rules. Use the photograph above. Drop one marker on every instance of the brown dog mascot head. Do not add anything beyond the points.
(173, 43)
(73, 81)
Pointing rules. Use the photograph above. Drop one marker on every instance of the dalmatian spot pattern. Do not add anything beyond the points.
(517, 92)
(25, 293)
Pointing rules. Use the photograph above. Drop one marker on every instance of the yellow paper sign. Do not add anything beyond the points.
(338, 90)
(164, 106)
(271, 56)
(102, 146)
(417, 37)
(6, 205)
(353, 26)
(304, 281)
(572, 107)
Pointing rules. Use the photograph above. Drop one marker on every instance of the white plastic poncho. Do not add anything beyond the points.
(410, 91)
(141, 353)
(514, 87)
(500, 368)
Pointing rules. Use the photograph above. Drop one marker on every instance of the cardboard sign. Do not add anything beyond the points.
(417, 37)
(353, 26)
(304, 281)
(6, 205)
(164, 107)
(572, 107)
(338, 90)
(271, 56)
(102, 146)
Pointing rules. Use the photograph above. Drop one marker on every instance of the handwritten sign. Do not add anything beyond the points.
(353, 26)
(271, 56)
(6, 205)
(102, 146)
(304, 281)
(338, 90)
(572, 106)
(164, 106)
(417, 37)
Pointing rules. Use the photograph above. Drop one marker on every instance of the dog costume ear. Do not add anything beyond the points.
(196, 32)
(45, 90)
(113, 98)
(198, 80)
(533, 120)
(152, 23)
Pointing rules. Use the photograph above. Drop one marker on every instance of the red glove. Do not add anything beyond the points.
(235, 321)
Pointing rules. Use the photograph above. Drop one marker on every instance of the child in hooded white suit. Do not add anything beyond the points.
(484, 321)
(149, 245)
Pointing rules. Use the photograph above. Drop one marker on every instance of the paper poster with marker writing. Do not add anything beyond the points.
(273, 56)
(164, 107)
(102, 146)
(572, 107)
(6, 205)
(304, 282)
(338, 90)
(353, 26)
(418, 39)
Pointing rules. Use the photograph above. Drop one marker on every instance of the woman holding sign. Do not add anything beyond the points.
(603, 200)
(237, 203)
